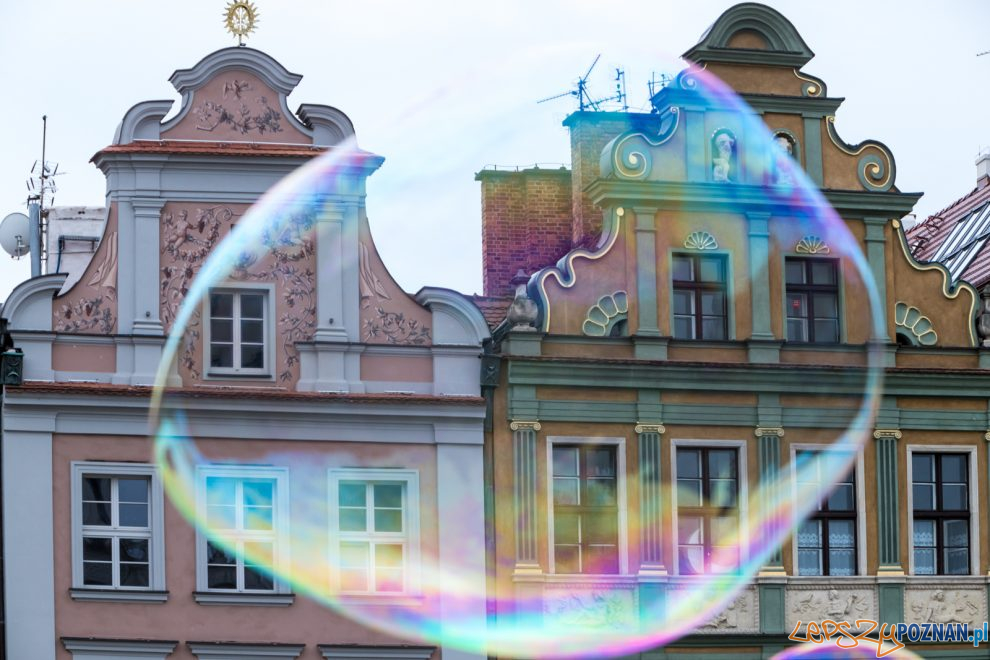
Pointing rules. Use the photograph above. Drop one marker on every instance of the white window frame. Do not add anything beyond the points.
(742, 468)
(622, 503)
(974, 510)
(412, 578)
(280, 526)
(101, 649)
(156, 524)
(238, 289)
(860, 485)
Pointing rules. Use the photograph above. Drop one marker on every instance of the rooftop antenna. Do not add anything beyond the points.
(656, 84)
(41, 193)
(986, 52)
(580, 92)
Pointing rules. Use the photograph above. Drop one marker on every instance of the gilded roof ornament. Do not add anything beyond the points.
(240, 19)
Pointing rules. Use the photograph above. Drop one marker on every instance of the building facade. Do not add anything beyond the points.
(334, 415)
(687, 350)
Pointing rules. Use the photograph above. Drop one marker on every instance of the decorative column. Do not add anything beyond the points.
(650, 511)
(888, 517)
(524, 496)
(768, 441)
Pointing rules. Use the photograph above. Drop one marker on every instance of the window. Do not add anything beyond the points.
(116, 528)
(827, 540)
(244, 510)
(699, 296)
(585, 509)
(941, 513)
(707, 510)
(374, 531)
(238, 332)
(812, 300)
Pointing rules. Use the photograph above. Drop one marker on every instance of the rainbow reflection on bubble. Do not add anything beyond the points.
(564, 621)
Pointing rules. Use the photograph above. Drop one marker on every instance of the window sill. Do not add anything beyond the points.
(231, 598)
(235, 375)
(118, 595)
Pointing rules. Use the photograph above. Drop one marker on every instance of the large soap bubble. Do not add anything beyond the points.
(833, 398)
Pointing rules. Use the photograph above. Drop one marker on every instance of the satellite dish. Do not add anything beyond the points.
(15, 235)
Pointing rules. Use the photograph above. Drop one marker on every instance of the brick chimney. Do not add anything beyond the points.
(525, 223)
(983, 169)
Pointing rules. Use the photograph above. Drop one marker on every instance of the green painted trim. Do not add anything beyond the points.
(646, 271)
(522, 343)
(888, 520)
(891, 601)
(765, 352)
(759, 254)
(784, 44)
(808, 106)
(769, 460)
(649, 406)
(522, 402)
(772, 609)
(813, 162)
(876, 256)
(769, 412)
(525, 496)
(697, 150)
(650, 348)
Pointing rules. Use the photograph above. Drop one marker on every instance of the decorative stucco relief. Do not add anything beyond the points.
(90, 307)
(915, 324)
(605, 314)
(739, 616)
(700, 240)
(286, 257)
(239, 110)
(607, 607)
(385, 322)
(812, 244)
(819, 603)
(946, 606)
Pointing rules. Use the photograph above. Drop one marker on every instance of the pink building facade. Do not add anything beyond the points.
(319, 393)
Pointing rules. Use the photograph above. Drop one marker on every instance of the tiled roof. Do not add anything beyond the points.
(206, 148)
(255, 393)
(957, 237)
(493, 308)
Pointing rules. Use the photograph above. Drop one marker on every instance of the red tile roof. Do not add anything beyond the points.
(493, 308)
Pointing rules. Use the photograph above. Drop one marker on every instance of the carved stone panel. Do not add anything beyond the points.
(930, 604)
(605, 607)
(834, 601)
(742, 615)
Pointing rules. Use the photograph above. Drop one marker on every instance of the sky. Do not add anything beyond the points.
(443, 89)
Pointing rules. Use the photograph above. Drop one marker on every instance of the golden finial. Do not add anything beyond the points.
(241, 18)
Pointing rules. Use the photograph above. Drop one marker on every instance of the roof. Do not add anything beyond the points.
(493, 308)
(208, 148)
(957, 237)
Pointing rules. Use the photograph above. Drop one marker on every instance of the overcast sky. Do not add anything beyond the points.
(442, 89)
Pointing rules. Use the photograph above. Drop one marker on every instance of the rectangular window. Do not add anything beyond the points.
(243, 509)
(940, 494)
(827, 539)
(812, 300)
(117, 527)
(238, 332)
(585, 509)
(374, 535)
(699, 297)
(707, 510)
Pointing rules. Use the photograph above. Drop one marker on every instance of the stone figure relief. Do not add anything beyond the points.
(956, 606)
(783, 159)
(241, 117)
(739, 615)
(96, 312)
(835, 604)
(596, 608)
(724, 156)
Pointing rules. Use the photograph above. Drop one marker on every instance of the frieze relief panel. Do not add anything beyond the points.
(834, 600)
(929, 604)
(606, 607)
(741, 615)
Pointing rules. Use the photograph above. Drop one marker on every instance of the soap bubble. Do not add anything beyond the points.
(769, 208)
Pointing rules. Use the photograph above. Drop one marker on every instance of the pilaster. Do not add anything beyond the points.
(876, 257)
(331, 322)
(145, 302)
(768, 441)
(646, 272)
(650, 507)
(524, 495)
(888, 515)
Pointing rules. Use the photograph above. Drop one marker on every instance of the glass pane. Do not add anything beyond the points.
(689, 492)
(259, 492)
(388, 579)
(599, 528)
(257, 578)
(565, 461)
(841, 534)
(388, 495)
(724, 530)
(96, 489)
(567, 558)
(956, 533)
(221, 517)
(388, 520)
(795, 271)
(797, 330)
(826, 331)
(97, 573)
(134, 575)
(252, 306)
(259, 554)
(724, 559)
(797, 305)
(809, 561)
(217, 555)
(258, 517)
(601, 462)
(134, 550)
(955, 497)
(924, 497)
(354, 555)
(691, 559)
(841, 561)
(221, 330)
(566, 491)
(826, 305)
(601, 492)
(954, 468)
(690, 530)
(133, 515)
(924, 561)
(97, 549)
(923, 468)
(221, 304)
(723, 492)
(688, 463)
(956, 561)
(713, 327)
(354, 580)
(252, 357)
(221, 577)
(842, 498)
(683, 327)
(132, 490)
(682, 269)
(712, 269)
(683, 302)
(565, 528)
(353, 520)
(220, 490)
(810, 534)
(823, 272)
(924, 533)
(96, 513)
(252, 332)
(601, 560)
(221, 355)
(722, 464)
(351, 494)
(713, 303)
(388, 555)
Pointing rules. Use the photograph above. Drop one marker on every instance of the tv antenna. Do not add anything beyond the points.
(41, 193)
(986, 52)
(656, 84)
(585, 101)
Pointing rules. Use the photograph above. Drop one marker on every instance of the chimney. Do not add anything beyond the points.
(983, 169)
(525, 223)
